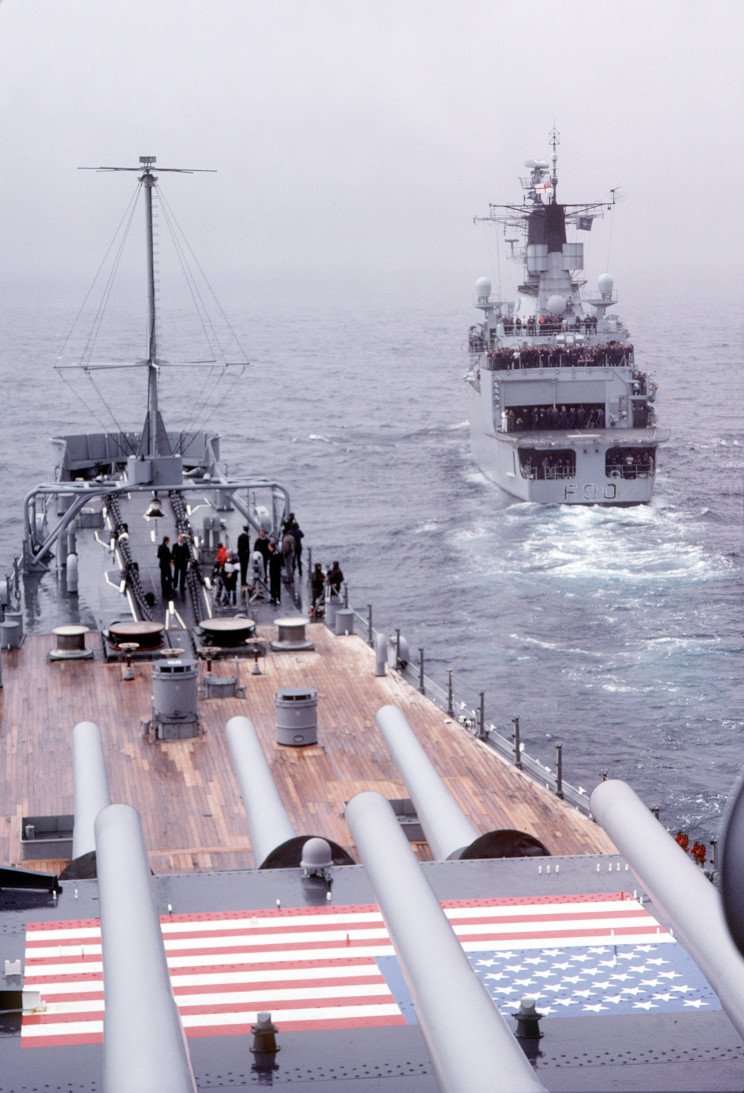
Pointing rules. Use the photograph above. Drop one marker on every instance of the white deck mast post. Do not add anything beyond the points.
(149, 180)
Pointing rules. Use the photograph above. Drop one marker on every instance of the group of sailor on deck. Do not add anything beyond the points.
(519, 419)
(614, 354)
(630, 462)
(550, 465)
(549, 324)
(534, 328)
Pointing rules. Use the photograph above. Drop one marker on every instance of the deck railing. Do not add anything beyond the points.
(594, 356)
(473, 720)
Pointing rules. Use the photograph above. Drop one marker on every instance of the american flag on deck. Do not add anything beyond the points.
(334, 967)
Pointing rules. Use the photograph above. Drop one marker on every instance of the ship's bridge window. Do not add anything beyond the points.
(630, 462)
(540, 464)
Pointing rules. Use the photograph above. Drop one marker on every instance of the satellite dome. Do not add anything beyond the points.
(530, 163)
(557, 304)
(606, 284)
(483, 288)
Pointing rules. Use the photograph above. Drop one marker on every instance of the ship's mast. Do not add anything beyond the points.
(153, 441)
(555, 140)
(148, 179)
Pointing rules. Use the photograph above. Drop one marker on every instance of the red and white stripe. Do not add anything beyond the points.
(310, 967)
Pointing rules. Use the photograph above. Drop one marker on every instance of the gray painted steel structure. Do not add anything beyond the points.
(470, 1044)
(447, 829)
(91, 785)
(268, 822)
(380, 654)
(678, 888)
(732, 866)
(37, 546)
(144, 1046)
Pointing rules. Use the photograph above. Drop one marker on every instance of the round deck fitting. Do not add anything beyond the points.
(229, 632)
(127, 648)
(148, 635)
(70, 643)
(291, 635)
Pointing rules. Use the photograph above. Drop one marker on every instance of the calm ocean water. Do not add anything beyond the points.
(617, 632)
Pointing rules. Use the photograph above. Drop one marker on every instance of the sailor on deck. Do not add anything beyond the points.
(165, 561)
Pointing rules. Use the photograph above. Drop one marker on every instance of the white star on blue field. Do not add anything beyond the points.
(574, 982)
(580, 981)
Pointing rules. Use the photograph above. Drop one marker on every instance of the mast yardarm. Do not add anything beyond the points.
(154, 441)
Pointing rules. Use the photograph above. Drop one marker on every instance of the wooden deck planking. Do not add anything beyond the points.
(186, 791)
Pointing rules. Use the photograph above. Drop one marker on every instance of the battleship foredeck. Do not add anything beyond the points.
(186, 790)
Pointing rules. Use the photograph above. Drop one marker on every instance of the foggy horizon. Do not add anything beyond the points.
(354, 145)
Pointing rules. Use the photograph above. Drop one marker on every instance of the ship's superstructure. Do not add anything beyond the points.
(560, 411)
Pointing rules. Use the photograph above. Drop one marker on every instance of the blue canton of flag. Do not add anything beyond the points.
(579, 982)
(574, 982)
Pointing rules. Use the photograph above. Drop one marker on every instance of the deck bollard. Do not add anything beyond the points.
(380, 654)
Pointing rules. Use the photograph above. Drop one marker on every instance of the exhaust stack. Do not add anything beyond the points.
(144, 1046)
(470, 1044)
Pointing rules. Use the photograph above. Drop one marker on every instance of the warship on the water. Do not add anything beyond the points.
(247, 842)
(560, 411)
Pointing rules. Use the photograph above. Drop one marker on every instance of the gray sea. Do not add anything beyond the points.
(616, 632)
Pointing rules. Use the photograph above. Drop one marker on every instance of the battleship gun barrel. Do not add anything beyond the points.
(678, 888)
(91, 785)
(269, 824)
(470, 1044)
(446, 827)
(144, 1047)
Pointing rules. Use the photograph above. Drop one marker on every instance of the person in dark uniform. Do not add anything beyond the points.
(335, 579)
(317, 587)
(181, 558)
(244, 555)
(165, 561)
(275, 561)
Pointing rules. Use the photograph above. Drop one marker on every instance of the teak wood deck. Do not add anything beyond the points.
(186, 791)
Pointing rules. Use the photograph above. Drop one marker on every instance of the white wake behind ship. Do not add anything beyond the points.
(561, 413)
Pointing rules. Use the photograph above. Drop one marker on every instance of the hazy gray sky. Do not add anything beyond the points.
(360, 138)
